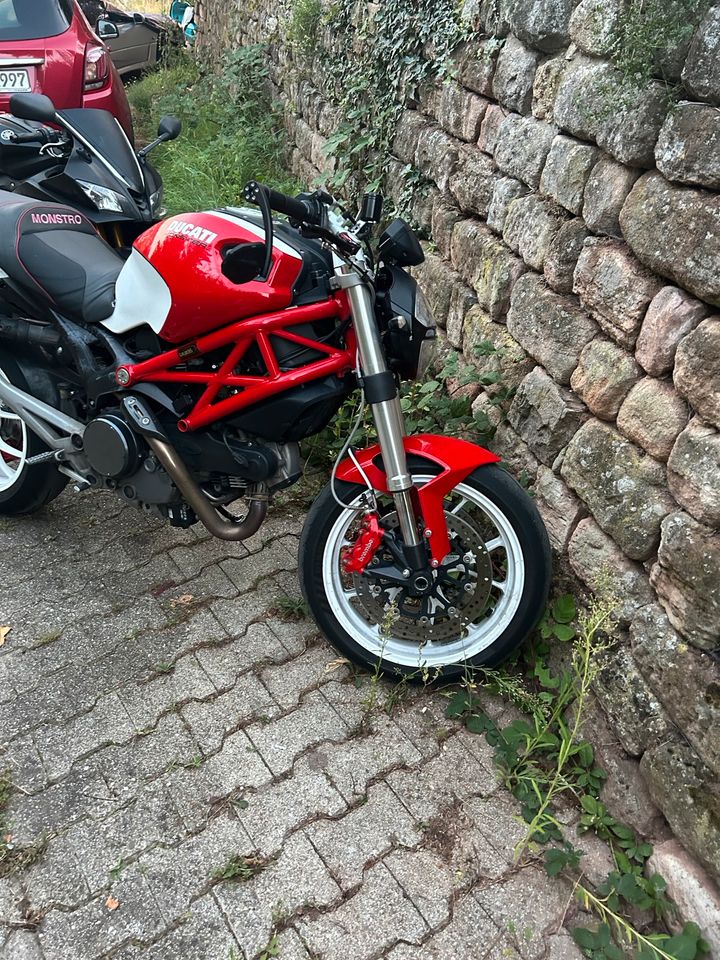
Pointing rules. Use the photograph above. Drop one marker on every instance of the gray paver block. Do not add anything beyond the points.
(281, 741)
(212, 720)
(288, 682)
(21, 945)
(377, 917)
(57, 878)
(363, 835)
(297, 880)
(426, 880)
(224, 662)
(146, 702)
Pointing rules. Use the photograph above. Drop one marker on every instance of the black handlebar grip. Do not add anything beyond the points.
(36, 136)
(295, 209)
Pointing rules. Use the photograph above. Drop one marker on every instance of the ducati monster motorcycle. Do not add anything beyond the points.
(83, 158)
(184, 377)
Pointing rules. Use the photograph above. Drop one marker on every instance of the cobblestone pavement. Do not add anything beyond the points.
(165, 727)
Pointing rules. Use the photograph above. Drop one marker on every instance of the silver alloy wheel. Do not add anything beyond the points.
(503, 546)
(13, 445)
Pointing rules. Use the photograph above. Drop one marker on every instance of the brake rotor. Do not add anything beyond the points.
(459, 595)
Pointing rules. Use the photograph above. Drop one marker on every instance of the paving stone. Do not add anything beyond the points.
(197, 790)
(427, 791)
(246, 571)
(374, 919)
(529, 906)
(93, 929)
(146, 702)
(283, 806)
(363, 835)
(57, 879)
(297, 880)
(203, 934)
(21, 945)
(281, 741)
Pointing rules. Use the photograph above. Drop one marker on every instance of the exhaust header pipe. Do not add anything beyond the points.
(218, 526)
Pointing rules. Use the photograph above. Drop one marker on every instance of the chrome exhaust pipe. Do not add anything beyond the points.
(218, 526)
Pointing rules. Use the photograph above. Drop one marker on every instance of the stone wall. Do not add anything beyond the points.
(578, 230)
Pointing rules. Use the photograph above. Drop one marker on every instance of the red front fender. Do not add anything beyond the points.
(458, 459)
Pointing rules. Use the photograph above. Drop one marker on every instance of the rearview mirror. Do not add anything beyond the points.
(169, 128)
(138, 18)
(32, 106)
(243, 262)
(107, 30)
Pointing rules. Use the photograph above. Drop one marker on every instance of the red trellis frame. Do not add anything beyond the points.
(240, 336)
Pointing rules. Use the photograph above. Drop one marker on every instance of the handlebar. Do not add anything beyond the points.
(303, 210)
(42, 136)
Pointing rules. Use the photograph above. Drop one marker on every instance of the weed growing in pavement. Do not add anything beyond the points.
(271, 948)
(543, 759)
(290, 609)
(240, 868)
(14, 858)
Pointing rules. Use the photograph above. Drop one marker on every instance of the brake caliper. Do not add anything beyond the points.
(355, 559)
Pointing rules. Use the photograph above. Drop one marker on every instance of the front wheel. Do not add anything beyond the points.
(486, 599)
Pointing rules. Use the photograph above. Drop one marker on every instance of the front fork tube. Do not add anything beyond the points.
(381, 393)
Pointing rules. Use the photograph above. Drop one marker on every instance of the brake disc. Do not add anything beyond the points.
(459, 596)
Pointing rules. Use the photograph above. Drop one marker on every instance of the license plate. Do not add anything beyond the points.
(12, 81)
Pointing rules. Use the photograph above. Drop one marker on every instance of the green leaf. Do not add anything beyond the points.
(584, 938)
(589, 804)
(564, 609)
(458, 704)
(563, 632)
(430, 386)
(478, 723)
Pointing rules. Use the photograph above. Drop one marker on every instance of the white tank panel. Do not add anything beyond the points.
(141, 297)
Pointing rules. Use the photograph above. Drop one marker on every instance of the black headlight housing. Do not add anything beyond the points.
(406, 321)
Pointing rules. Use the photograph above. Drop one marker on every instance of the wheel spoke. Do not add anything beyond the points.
(8, 415)
(6, 472)
(9, 449)
(500, 586)
(494, 544)
(459, 507)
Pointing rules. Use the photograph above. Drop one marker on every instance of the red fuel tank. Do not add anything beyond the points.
(185, 254)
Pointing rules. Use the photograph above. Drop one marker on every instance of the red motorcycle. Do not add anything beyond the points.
(184, 377)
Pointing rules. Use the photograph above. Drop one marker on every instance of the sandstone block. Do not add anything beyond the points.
(593, 102)
(686, 580)
(515, 453)
(545, 86)
(598, 561)
(635, 713)
(523, 144)
(472, 184)
(604, 376)
(545, 415)
(623, 488)
(461, 112)
(686, 791)
(461, 301)
(477, 60)
(505, 190)
(593, 25)
(514, 74)
(437, 282)
(563, 254)
(685, 680)
(436, 156)
(688, 150)
(606, 191)
(615, 288)
(541, 23)
(486, 265)
(411, 126)
(490, 127)
(694, 472)
(697, 369)
(552, 328)
(566, 171)
(558, 506)
(444, 216)
(691, 889)
(671, 315)
(652, 415)
(491, 349)
(701, 74)
(676, 232)
(531, 225)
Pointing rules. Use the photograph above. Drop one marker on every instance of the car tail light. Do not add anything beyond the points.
(97, 67)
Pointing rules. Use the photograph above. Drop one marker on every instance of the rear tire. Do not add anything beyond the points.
(495, 522)
(23, 489)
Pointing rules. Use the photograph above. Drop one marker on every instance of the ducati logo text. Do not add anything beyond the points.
(191, 232)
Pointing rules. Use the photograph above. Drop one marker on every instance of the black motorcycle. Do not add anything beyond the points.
(83, 158)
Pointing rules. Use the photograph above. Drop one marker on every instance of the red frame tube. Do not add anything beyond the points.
(241, 336)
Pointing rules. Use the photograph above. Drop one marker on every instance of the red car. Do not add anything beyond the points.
(47, 46)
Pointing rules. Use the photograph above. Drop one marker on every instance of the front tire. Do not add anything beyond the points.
(23, 489)
(500, 583)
